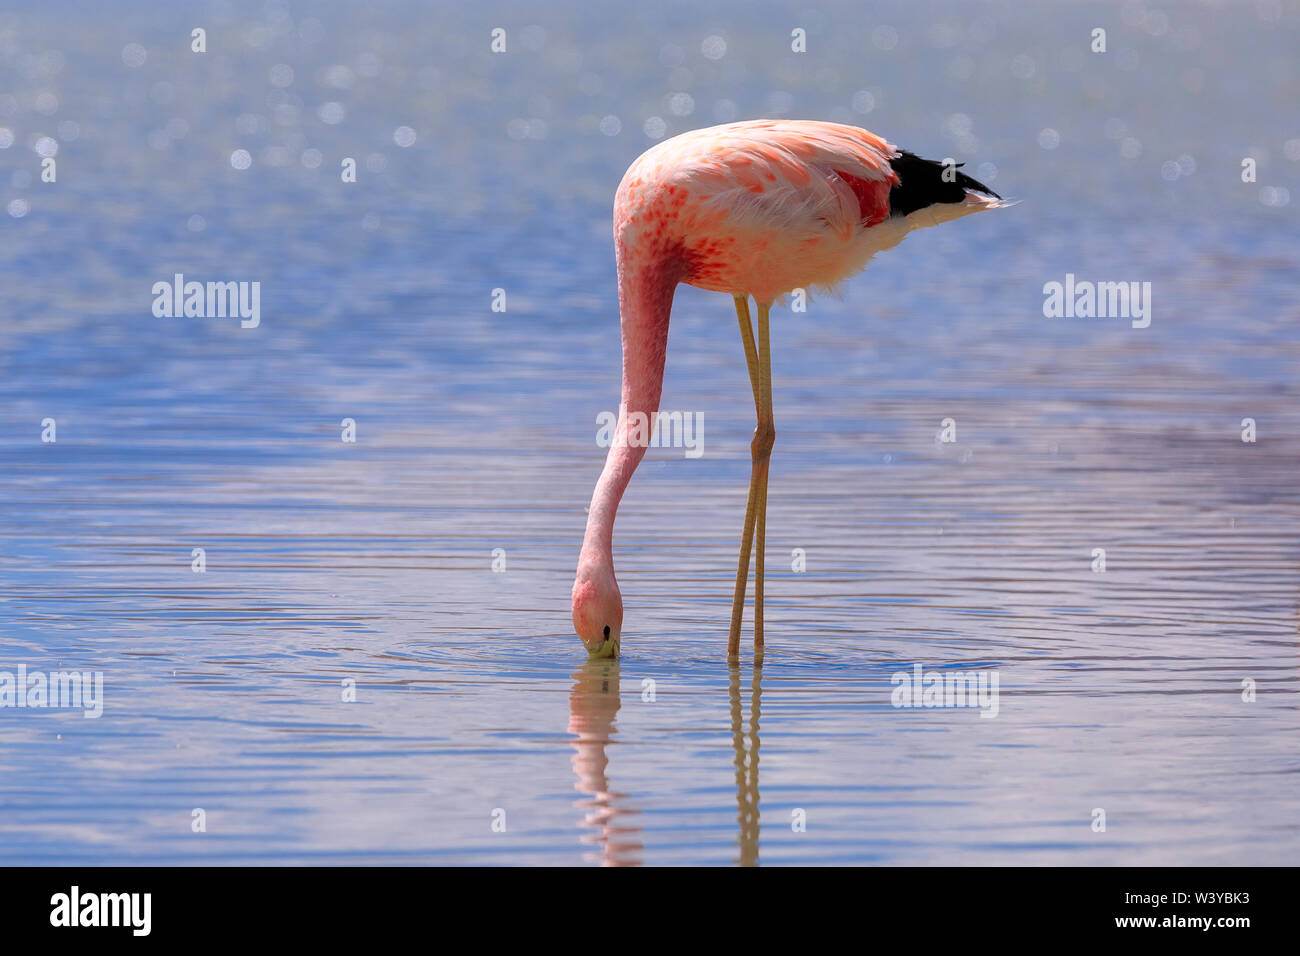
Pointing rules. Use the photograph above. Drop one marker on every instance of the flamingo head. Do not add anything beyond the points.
(597, 609)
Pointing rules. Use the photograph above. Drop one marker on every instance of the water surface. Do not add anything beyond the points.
(373, 562)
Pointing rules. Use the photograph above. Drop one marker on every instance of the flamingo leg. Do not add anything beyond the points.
(761, 449)
(747, 536)
(760, 376)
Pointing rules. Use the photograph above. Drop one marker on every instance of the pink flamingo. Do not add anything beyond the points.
(751, 209)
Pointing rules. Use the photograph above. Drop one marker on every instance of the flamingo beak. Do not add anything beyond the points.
(606, 648)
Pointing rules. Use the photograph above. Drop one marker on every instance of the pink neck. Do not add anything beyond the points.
(645, 297)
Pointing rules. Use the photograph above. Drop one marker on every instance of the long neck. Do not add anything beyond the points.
(645, 298)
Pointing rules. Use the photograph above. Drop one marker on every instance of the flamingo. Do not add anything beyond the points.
(753, 209)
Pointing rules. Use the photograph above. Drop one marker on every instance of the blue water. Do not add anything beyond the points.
(479, 732)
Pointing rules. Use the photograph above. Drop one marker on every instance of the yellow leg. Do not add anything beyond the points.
(761, 448)
(747, 536)
(760, 378)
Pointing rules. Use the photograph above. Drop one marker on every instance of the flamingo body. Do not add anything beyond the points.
(751, 209)
(767, 206)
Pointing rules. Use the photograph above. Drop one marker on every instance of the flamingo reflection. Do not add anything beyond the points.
(594, 701)
(747, 812)
(593, 705)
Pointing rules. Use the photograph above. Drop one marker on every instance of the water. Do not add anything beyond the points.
(372, 561)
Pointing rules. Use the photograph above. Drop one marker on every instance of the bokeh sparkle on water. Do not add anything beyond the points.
(476, 431)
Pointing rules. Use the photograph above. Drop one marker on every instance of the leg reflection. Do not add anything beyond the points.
(593, 705)
(747, 814)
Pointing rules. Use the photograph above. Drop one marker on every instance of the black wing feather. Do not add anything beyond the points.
(921, 183)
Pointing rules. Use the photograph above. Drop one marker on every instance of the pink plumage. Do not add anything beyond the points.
(751, 209)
